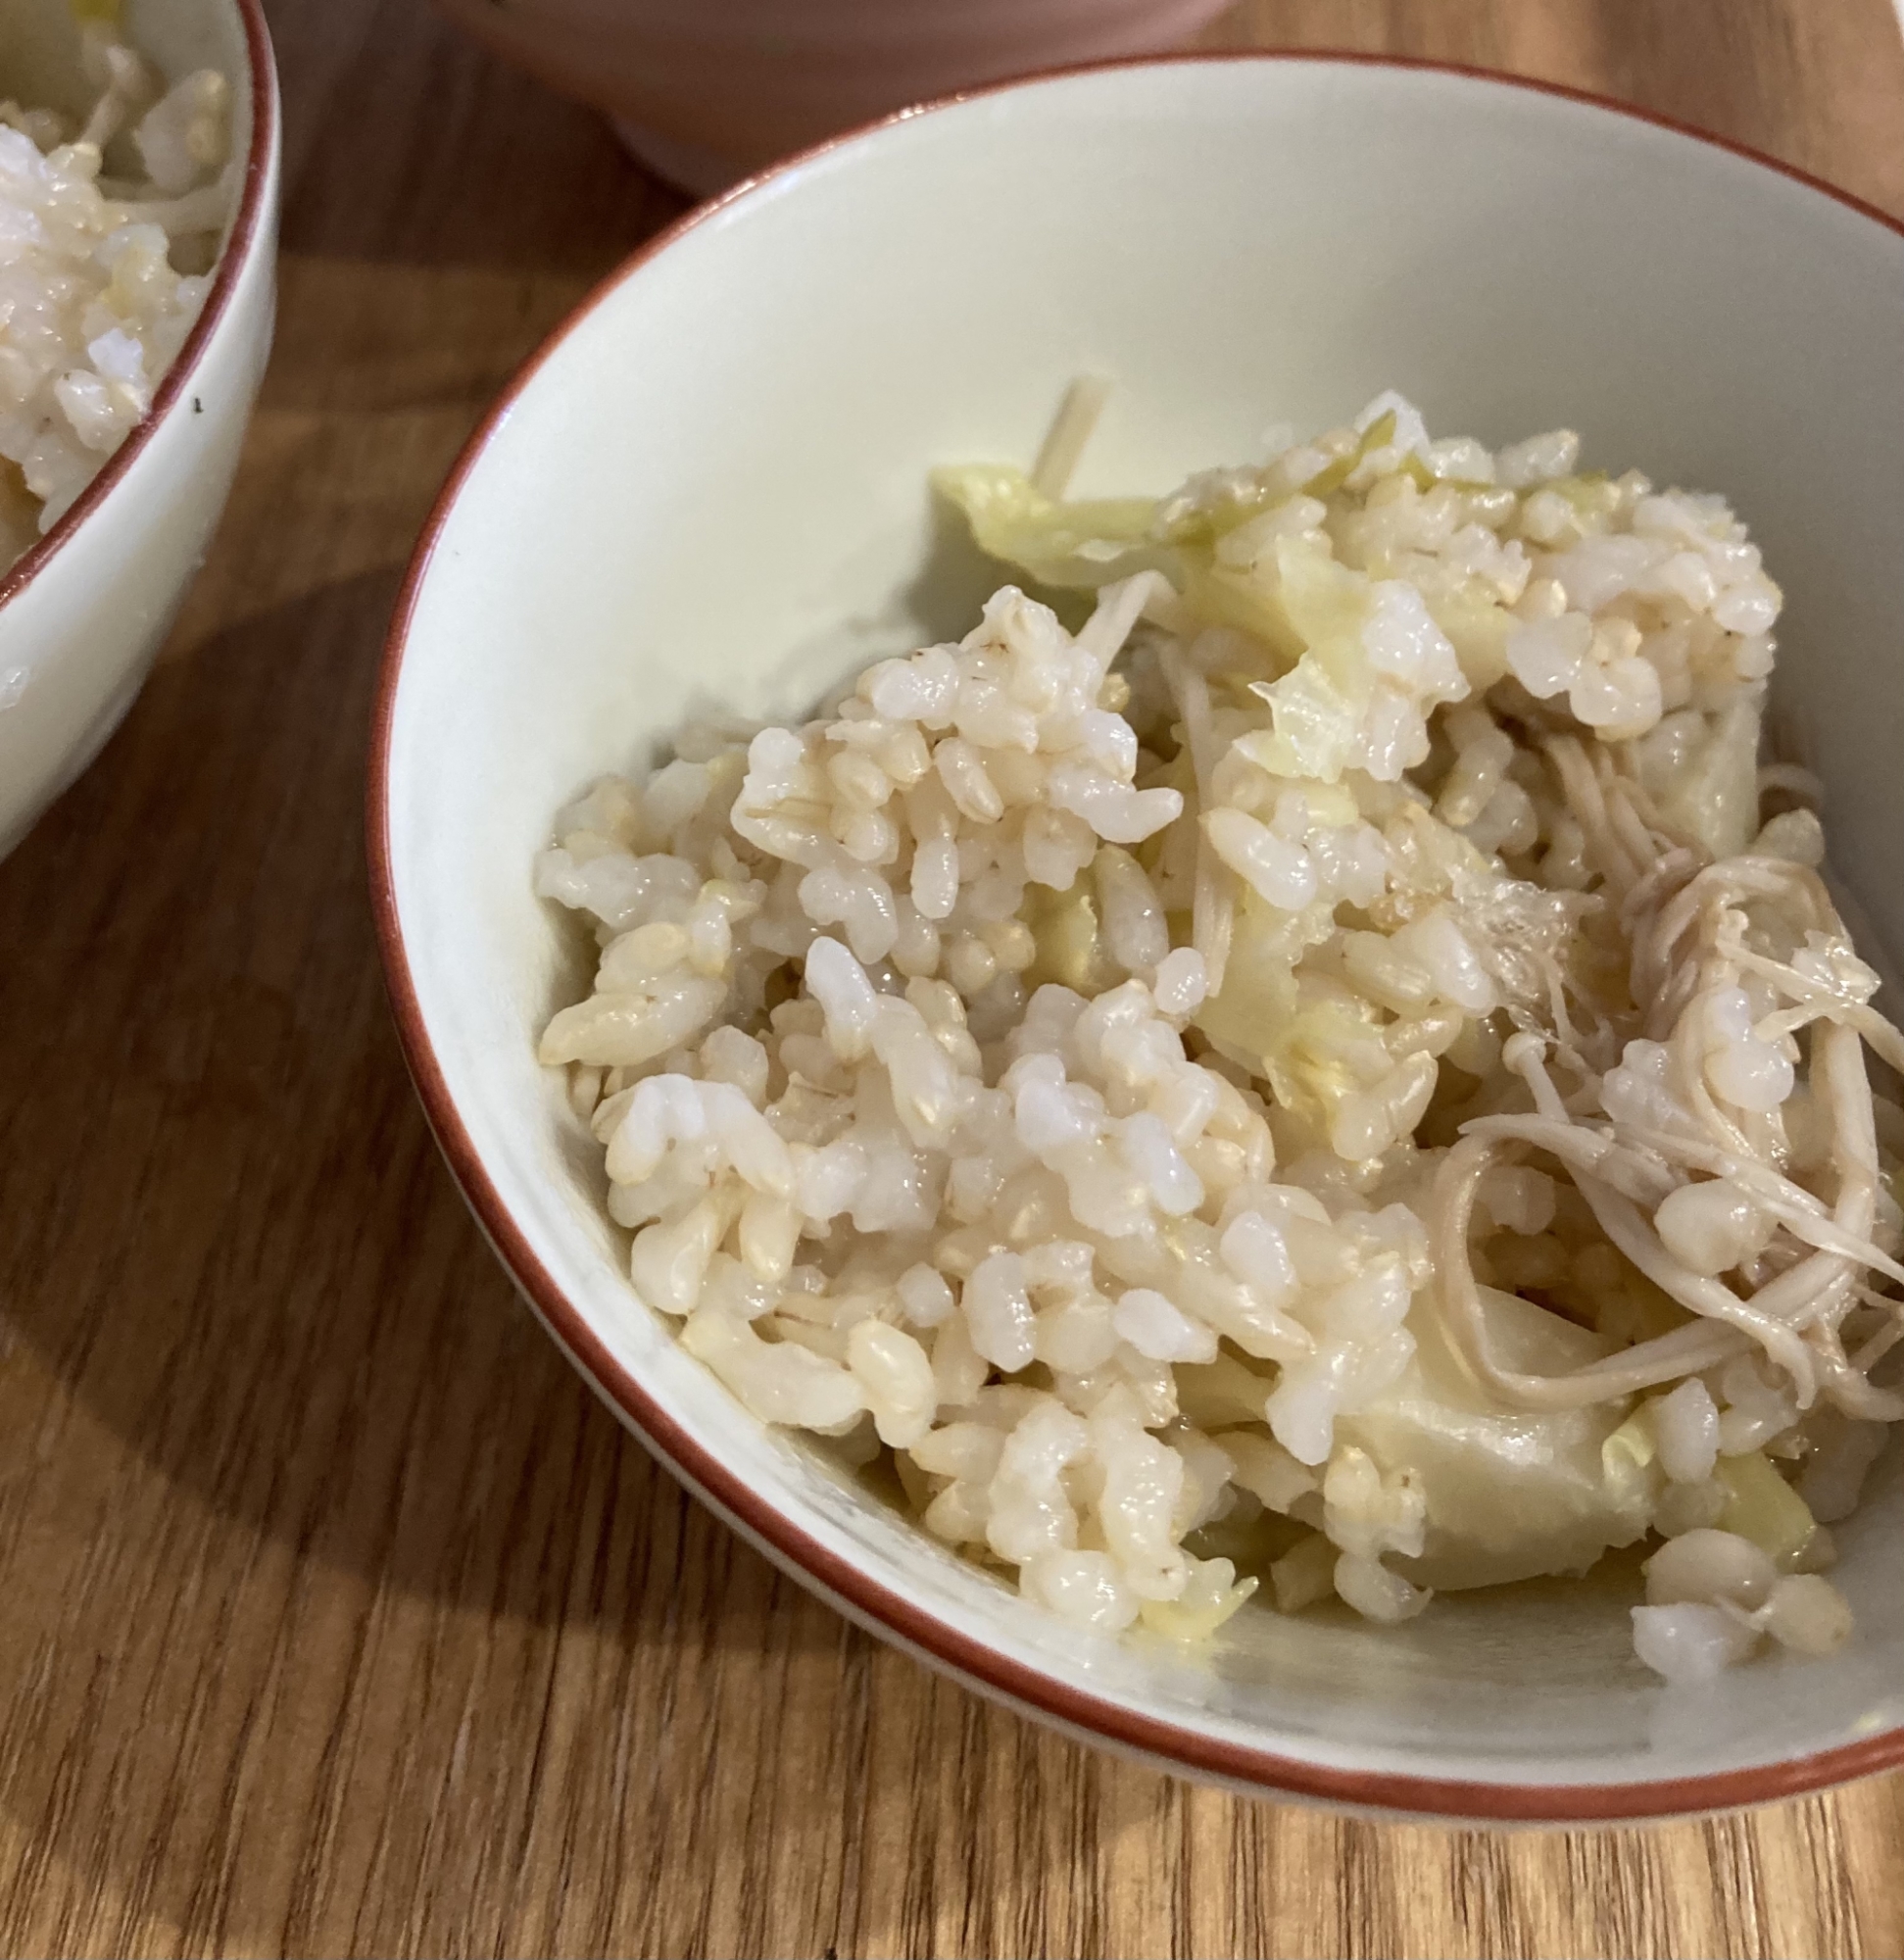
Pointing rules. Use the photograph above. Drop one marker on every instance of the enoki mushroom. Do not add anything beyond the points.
(1697, 931)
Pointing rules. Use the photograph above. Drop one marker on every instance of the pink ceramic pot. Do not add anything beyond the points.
(707, 90)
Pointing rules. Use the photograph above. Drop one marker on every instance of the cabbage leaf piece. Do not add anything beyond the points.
(1081, 546)
(1511, 1494)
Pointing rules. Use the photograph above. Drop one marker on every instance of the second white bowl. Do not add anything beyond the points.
(84, 612)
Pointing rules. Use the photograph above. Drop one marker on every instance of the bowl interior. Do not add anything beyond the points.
(39, 49)
(713, 489)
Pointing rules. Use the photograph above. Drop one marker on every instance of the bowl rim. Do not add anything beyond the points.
(253, 202)
(1044, 1696)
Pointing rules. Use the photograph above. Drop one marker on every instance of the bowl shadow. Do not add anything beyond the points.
(235, 1245)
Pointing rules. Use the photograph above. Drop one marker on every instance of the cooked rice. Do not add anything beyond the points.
(93, 309)
(1326, 1073)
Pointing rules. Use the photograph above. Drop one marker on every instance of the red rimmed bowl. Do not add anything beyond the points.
(83, 612)
(710, 485)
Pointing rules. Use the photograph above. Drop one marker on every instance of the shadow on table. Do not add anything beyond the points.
(230, 1233)
(405, 140)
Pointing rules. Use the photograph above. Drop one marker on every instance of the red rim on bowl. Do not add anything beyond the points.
(183, 371)
(901, 1619)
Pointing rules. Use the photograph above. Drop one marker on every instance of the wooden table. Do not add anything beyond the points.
(334, 1613)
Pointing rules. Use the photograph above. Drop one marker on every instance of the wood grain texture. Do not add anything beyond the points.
(335, 1616)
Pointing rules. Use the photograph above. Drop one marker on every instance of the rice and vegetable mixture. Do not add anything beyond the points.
(1341, 1074)
(94, 299)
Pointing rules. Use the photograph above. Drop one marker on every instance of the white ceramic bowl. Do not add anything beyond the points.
(83, 612)
(710, 485)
